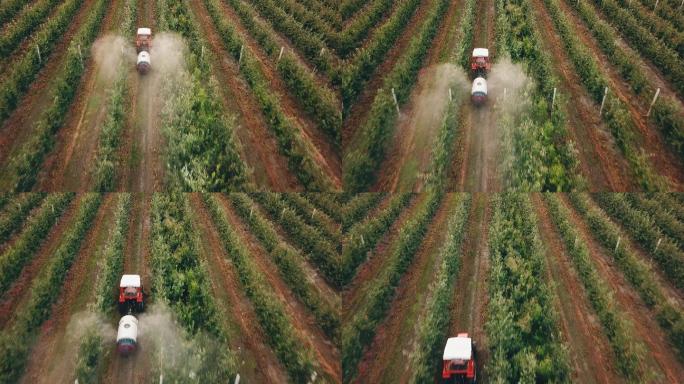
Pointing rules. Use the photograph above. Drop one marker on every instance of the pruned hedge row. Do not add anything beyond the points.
(616, 328)
(16, 81)
(321, 252)
(20, 28)
(113, 256)
(17, 213)
(289, 263)
(327, 203)
(354, 33)
(24, 166)
(269, 309)
(44, 292)
(615, 113)
(201, 153)
(523, 333)
(314, 217)
(290, 141)
(637, 272)
(9, 8)
(436, 316)
(36, 229)
(666, 221)
(368, 148)
(642, 228)
(359, 332)
(660, 29)
(363, 236)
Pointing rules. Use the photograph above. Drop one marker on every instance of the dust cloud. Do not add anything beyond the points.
(506, 82)
(434, 97)
(110, 52)
(167, 54)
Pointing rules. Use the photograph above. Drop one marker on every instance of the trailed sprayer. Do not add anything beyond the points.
(127, 335)
(479, 68)
(143, 43)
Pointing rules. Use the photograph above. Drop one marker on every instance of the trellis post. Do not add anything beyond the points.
(396, 103)
(603, 102)
(451, 97)
(80, 54)
(242, 47)
(237, 379)
(657, 245)
(40, 59)
(280, 55)
(656, 5)
(553, 99)
(617, 244)
(655, 97)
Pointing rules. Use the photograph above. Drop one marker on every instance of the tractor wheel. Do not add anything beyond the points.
(141, 307)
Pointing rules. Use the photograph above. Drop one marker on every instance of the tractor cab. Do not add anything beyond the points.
(143, 39)
(479, 62)
(131, 294)
(459, 365)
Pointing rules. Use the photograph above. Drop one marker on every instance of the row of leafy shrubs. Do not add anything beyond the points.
(201, 152)
(314, 217)
(641, 227)
(666, 221)
(290, 140)
(327, 202)
(318, 250)
(9, 8)
(533, 125)
(44, 293)
(35, 231)
(637, 272)
(359, 332)
(666, 116)
(317, 100)
(358, 208)
(616, 327)
(17, 213)
(290, 263)
(24, 166)
(362, 237)
(368, 148)
(180, 282)
(522, 327)
(269, 309)
(436, 316)
(16, 81)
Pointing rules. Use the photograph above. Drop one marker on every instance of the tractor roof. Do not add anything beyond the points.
(458, 348)
(480, 52)
(130, 281)
(144, 31)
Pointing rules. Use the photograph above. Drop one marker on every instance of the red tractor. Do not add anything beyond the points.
(479, 63)
(459, 363)
(131, 294)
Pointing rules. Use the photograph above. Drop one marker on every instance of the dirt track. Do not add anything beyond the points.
(385, 359)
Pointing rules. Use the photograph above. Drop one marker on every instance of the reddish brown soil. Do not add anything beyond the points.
(358, 112)
(600, 160)
(54, 355)
(470, 297)
(68, 167)
(412, 142)
(318, 280)
(19, 126)
(650, 138)
(259, 145)
(660, 359)
(353, 294)
(19, 291)
(246, 337)
(385, 359)
(582, 330)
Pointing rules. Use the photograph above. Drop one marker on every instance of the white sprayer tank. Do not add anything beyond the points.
(144, 63)
(479, 91)
(127, 335)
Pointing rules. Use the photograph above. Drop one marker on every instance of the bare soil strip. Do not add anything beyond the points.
(353, 294)
(258, 363)
(469, 305)
(19, 291)
(385, 359)
(68, 167)
(600, 159)
(326, 354)
(54, 355)
(590, 352)
(18, 127)
(661, 359)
